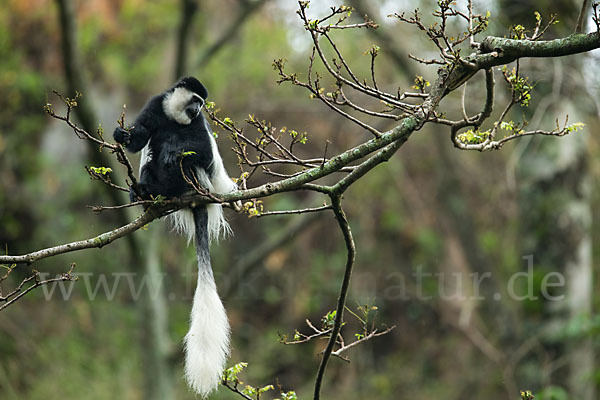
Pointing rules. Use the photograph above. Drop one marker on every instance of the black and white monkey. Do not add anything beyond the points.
(169, 124)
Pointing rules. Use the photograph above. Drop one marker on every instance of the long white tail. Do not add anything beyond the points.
(207, 342)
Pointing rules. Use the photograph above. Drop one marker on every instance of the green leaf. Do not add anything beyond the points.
(249, 391)
(329, 319)
(265, 389)
(291, 395)
(231, 373)
(421, 83)
(473, 136)
(575, 127)
(101, 170)
(527, 395)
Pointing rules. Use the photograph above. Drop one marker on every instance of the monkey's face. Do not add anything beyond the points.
(192, 110)
(182, 105)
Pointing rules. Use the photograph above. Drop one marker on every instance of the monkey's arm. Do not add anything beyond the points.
(136, 137)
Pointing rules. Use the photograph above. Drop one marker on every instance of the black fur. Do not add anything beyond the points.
(168, 139)
(194, 85)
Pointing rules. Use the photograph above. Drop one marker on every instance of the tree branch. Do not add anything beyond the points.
(95, 242)
(18, 292)
(296, 211)
(349, 241)
(499, 51)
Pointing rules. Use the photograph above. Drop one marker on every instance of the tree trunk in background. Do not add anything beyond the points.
(579, 297)
(556, 216)
(555, 209)
(157, 377)
(157, 343)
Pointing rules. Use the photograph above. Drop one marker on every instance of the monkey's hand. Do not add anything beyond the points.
(122, 136)
(142, 195)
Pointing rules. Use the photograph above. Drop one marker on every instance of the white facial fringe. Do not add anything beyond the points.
(174, 105)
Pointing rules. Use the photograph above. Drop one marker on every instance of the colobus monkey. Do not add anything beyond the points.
(170, 124)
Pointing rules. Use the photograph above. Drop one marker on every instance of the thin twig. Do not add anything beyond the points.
(299, 211)
(374, 333)
(17, 293)
(99, 209)
(235, 390)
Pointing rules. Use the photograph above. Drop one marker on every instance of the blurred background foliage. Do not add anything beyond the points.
(431, 209)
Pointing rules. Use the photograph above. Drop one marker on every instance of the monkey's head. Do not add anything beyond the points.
(183, 102)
